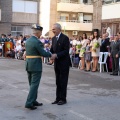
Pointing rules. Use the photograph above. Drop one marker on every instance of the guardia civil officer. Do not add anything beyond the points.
(34, 51)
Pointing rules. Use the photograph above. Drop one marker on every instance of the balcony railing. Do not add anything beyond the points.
(73, 2)
(109, 1)
(76, 25)
(76, 21)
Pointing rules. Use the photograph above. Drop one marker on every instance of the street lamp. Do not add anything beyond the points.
(64, 25)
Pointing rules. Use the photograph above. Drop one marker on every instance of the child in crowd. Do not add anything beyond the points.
(47, 49)
(88, 55)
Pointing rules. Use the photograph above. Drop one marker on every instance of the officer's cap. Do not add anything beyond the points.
(37, 27)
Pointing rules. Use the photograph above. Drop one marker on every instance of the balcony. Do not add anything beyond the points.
(74, 7)
(75, 25)
(19, 17)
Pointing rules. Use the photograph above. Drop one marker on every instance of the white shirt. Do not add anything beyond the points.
(58, 36)
(0, 47)
(18, 47)
(74, 42)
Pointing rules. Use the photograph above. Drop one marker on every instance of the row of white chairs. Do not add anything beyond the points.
(102, 61)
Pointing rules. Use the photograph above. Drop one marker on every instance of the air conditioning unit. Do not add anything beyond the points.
(75, 33)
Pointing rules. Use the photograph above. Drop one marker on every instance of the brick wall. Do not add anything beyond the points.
(5, 28)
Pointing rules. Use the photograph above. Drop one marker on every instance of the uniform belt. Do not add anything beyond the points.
(33, 56)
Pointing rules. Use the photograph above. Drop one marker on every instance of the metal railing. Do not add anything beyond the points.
(73, 2)
(76, 21)
(109, 1)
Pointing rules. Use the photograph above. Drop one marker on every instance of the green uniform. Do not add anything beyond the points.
(34, 67)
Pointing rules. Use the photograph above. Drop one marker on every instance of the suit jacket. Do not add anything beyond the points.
(114, 48)
(104, 44)
(35, 48)
(61, 48)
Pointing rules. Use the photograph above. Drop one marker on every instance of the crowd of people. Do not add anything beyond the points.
(84, 51)
(17, 49)
(87, 50)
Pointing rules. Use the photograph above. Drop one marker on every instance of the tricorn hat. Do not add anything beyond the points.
(37, 27)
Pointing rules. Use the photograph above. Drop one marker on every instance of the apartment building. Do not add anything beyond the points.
(17, 16)
(111, 16)
(75, 16)
(106, 17)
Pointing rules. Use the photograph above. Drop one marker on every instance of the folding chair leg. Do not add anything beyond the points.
(100, 68)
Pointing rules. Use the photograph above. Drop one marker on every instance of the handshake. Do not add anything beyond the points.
(53, 56)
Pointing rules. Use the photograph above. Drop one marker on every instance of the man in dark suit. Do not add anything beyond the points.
(34, 51)
(104, 44)
(60, 48)
(104, 47)
(115, 49)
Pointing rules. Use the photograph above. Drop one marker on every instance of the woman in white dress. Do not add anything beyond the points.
(95, 50)
(82, 51)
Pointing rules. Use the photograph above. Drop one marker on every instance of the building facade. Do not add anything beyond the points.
(111, 16)
(106, 17)
(17, 16)
(75, 16)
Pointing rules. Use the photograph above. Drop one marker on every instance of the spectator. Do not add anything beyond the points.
(82, 51)
(115, 52)
(88, 56)
(46, 40)
(104, 44)
(42, 39)
(10, 53)
(47, 49)
(96, 43)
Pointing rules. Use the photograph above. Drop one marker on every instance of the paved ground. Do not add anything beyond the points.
(91, 96)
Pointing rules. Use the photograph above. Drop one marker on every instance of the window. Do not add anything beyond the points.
(30, 7)
(87, 18)
(110, 1)
(74, 17)
(64, 17)
(18, 6)
(17, 30)
(24, 6)
(65, 1)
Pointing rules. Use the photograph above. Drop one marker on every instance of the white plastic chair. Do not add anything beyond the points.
(105, 54)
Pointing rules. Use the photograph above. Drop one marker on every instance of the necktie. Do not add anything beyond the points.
(57, 38)
(102, 41)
